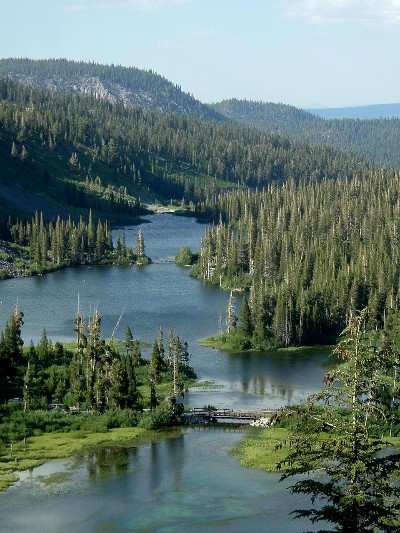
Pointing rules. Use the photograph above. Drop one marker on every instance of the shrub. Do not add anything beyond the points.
(163, 416)
(185, 257)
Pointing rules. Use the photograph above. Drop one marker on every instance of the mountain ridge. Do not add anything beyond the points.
(129, 85)
(105, 137)
(133, 86)
(370, 111)
(375, 140)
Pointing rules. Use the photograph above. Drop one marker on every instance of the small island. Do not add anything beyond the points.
(38, 247)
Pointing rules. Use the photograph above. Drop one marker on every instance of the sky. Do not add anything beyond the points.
(306, 53)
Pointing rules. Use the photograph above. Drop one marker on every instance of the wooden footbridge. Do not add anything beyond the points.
(202, 413)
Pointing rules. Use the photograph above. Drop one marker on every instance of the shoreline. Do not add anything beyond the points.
(35, 451)
(216, 342)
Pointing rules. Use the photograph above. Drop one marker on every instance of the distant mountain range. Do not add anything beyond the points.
(148, 90)
(376, 140)
(77, 135)
(362, 112)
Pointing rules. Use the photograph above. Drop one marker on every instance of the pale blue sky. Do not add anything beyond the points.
(306, 53)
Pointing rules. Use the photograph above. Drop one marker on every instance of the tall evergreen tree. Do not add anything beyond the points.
(231, 318)
(245, 328)
(140, 244)
(344, 462)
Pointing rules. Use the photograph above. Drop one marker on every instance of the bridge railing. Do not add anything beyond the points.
(231, 413)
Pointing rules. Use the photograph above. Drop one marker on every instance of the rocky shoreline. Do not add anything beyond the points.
(7, 255)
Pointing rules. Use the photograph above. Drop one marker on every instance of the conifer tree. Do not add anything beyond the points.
(245, 327)
(128, 341)
(11, 356)
(140, 244)
(14, 151)
(133, 396)
(345, 463)
(231, 318)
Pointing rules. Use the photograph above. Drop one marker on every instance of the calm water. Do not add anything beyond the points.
(181, 484)
(178, 484)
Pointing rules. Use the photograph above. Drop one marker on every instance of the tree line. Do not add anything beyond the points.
(95, 374)
(310, 254)
(373, 139)
(119, 149)
(52, 245)
(135, 87)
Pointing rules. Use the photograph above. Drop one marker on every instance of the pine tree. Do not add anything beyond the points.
(156, 364)
(11, 357)
(231, 318)
(128, 341)
(24, 154)
(133, 395)
(345, 464)
(140, 244)
(245, 328)
(14, 151)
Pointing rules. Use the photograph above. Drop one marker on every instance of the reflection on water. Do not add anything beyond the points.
(187, 483)
(260, 386)
(163, 295)
(106, 461)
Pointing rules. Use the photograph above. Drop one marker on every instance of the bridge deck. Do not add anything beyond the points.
(231, 413)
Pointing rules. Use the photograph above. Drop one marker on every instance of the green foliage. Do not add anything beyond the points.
(310, 254)
(91, 387)
(346, 464)
(143, 260)
(163, 416)
(91, 153)
(185, 257)
(64, 243)
(375, 140)
(11, 357)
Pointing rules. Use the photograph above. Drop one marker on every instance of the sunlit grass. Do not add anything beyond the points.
(35, 451)
(263, 448)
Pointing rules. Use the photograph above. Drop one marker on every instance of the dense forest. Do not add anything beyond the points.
(375, 140)
(293, 220)
(310, 254)
(304, 221)
(44, 246)
(102, 155)
(149, 91)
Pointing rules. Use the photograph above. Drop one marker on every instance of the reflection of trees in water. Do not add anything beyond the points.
(109, 460)
(155, 467)
(175, 450)
(166, 459)
(260, 386)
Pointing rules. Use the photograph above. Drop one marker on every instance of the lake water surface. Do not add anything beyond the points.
(189, 482)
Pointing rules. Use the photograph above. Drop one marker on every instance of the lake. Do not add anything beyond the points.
(188, 482)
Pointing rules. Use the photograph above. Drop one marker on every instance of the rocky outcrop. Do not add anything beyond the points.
(7, 256)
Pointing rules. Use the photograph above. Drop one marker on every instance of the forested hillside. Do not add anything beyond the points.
(310, 229)
(131, 86)
(376, 140)
(65, 151)
(373, 139)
